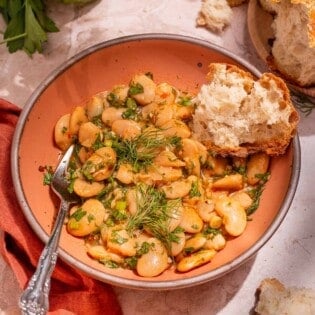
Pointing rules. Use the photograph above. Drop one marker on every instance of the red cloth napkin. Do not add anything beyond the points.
(71, 291)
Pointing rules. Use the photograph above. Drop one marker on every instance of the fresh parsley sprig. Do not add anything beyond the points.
(27, 25)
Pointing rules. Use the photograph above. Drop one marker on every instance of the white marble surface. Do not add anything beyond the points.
(289, 255)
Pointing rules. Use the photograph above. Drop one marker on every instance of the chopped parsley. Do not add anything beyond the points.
(135, 88)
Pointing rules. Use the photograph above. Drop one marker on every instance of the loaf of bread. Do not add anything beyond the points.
(238, 115)
(293, 48)
(275, 298)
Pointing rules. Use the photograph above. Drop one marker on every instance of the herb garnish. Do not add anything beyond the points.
(255, 193)
(78, 214)
(302, 102)
(48, 175)
(141, 150)
(27, 24)
(135, 88)
(153, 213)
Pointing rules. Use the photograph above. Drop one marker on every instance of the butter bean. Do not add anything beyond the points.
(77, 118)
(87, 189)
(191, 221)
(155, 261)
(234, 215)
(257, 164)
(62, 135)
(87, 218)
(195, 260)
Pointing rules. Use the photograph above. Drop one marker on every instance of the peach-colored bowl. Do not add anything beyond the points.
(178, 60)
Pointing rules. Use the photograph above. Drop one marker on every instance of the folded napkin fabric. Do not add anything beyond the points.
(71, 291)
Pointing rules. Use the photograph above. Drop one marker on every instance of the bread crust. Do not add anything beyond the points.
(235, 3)
(274, 145)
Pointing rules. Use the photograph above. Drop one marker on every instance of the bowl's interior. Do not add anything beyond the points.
(182, 63)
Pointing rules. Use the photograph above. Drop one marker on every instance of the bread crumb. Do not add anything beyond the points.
(214, 15)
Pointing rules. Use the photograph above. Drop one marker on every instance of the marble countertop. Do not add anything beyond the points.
(289, 255)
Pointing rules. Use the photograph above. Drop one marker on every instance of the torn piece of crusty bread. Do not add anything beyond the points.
(293, 48)
(214, 15)
(238, 115)
(275, 298)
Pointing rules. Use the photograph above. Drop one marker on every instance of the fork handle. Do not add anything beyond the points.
(35, 298)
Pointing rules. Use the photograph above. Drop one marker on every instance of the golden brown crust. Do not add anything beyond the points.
(280, 72)
(273, 146)
(235, 3)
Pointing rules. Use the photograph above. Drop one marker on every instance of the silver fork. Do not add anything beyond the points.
(35, 298)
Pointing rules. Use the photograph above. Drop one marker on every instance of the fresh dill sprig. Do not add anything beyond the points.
(303, 103)
(154, 212)
(255, 193)
(141, 150)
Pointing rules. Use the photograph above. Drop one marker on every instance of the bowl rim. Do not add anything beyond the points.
(114, 279)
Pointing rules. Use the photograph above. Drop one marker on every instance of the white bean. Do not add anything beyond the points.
(100, 253)
(177, 189)
(77, 118)
(177, 128)
(110, 114)
(205, 209)
(195, 260)
(100, 165)
(229, 182)
(169, 159)
(165, 94)
(155, 261)
(88, 133)
(125, 174)
(178, 246)
(195, 243)
(120, 242)
(234, 215)
(148, 85)
(87, 218)
(62, 135)
(191, 221)
(87, 189)
(127, 129)
(94, 106)
(257, 165)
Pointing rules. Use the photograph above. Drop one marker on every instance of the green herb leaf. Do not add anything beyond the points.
(78, 214)
(135, 88)
(153, 212)
(141, 150)
(117, 238)
(27, 24)
(302, 102)
(48, 175)
(194, 191)
(256, 192)
(184, 100)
